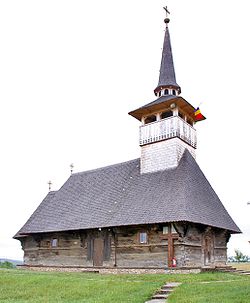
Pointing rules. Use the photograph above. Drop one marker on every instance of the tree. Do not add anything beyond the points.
(239, 257)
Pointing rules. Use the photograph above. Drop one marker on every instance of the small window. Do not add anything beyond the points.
(165, 230)
(150, 119)
(166, 92)
(54, 242)
(174, 92)
(159, 93)
(166, 114)
(143, 238)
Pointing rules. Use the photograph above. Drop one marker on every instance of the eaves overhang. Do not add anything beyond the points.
(163, 103)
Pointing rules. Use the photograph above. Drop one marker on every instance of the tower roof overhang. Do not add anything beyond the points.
(163, 103)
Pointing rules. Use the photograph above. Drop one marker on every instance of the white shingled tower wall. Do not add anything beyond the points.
(163, 155)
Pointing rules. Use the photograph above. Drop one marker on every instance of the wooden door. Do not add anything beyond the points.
(207, 250)
(98, 252)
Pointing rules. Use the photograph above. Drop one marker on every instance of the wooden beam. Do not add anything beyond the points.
(171, 238)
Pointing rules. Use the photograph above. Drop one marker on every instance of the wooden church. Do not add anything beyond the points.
(155, 212)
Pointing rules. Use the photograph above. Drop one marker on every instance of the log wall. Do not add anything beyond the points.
(194, 251)
(131, 253)
(194, 245)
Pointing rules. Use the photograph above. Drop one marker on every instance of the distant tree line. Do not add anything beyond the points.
(7, 264)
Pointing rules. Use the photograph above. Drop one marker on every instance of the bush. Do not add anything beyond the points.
(7, 264)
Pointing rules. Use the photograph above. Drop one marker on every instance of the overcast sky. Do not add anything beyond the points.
(70, 71)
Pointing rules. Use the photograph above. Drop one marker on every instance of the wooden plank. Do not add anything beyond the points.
(171, 238)
(98, 252)
(90, 249)
(107, 247)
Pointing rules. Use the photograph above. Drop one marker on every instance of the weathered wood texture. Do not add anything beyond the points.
(193, 245)
(131, 253)
(203, 246)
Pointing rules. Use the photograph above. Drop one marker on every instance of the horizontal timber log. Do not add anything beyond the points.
(141, 245)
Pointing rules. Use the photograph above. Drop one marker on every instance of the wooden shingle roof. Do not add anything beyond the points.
(119, 195)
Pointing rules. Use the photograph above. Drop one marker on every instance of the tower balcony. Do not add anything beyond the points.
(168, 128)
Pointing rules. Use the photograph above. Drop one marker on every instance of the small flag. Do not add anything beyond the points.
(198, 115)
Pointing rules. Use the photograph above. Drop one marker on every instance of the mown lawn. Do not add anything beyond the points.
(23, 286)
(243, 265)
(215, 288)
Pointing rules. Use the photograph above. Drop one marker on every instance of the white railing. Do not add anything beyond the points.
(166, 129)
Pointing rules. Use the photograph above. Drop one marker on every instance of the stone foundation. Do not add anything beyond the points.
(112, 270)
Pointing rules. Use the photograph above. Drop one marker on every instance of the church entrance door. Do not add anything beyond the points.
(208, 248)
(98, 252)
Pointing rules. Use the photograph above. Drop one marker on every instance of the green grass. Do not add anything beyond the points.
(212, 288)
(21, 286)
(222, 292)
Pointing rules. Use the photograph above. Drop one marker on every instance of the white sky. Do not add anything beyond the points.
(71, 70)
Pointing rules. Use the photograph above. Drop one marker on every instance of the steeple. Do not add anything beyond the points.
(167, 123)
(167, 82)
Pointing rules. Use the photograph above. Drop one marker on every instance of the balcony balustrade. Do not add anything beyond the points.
(166, 129)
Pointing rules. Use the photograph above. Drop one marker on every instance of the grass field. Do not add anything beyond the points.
(18, 286)
(243, 265)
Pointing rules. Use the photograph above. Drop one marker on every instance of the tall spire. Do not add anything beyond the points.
(167, 83)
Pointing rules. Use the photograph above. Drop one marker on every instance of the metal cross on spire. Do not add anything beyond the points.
(71, 168)
(167, 11)
(50, 184)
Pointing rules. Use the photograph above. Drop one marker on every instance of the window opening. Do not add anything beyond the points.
(143, 238)
(166, 91)
(165, 230)
(180, 115)
(150, 119)
(54, 242)
(166, 114)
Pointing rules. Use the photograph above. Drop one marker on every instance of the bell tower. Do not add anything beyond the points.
(167, 123)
